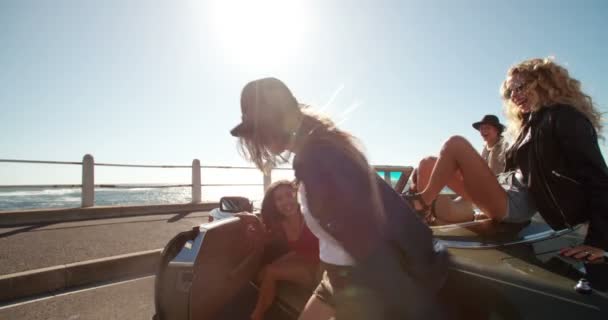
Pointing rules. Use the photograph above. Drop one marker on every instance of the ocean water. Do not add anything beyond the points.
(151, 194)
(28, 198)
(146, 191)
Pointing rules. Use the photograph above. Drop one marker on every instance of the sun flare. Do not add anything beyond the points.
(262, 33)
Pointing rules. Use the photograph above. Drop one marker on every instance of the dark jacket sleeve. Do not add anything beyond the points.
(342, 196)
(579, 143)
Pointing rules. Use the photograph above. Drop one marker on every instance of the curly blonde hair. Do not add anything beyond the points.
(553, 85)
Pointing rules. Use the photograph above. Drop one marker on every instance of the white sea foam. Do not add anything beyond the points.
(69, 199)
(123, 189)
(46, 192)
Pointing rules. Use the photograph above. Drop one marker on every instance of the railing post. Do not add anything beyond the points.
(267, 179)
(267, 172)
(196, 181)
(88, 181)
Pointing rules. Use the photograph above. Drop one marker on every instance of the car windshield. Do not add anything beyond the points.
(396, 176)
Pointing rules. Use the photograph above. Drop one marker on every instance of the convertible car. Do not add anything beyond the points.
(497, 271)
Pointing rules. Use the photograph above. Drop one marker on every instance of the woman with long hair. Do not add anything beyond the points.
(379, 259)
(285, 227)
(554, 167)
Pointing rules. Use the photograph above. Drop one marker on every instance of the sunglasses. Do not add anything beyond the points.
(516, 88)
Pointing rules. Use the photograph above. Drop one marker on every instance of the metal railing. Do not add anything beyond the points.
(88, 177)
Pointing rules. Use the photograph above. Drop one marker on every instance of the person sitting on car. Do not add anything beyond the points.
(285, 227)
(495, 146)
(493, 153)
(555, 165)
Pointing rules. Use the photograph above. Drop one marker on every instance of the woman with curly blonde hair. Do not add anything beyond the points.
(554, 167)
(552, 85)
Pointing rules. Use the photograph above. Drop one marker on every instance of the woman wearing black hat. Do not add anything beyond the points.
(555, 166)
(380, 260)
(493, 151)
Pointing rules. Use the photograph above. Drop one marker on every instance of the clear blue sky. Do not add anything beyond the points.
(158, 82)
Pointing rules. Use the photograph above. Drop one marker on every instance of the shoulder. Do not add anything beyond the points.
(567, 118)
(318, 147)
(563, 119)
(324, 152)
(317, 152)
(561, 112)
(503, 143)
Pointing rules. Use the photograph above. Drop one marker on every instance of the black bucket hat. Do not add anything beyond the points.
(491, 120)
(263, 102)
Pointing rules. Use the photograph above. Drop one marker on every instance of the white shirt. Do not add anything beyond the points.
(495, 155)
(330, 251)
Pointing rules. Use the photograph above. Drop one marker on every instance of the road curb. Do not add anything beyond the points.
(45, 216)
(34, 282)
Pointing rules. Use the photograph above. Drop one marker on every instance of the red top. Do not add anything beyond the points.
(307, 245)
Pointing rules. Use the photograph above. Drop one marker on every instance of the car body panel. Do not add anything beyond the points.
(522, 267)
(520, 281)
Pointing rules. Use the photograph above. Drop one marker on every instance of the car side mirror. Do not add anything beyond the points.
(235, 204)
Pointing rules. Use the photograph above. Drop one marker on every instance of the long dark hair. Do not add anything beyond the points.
(317, 128)
(270, 129)
(276, 118)
(256, 148)
(270, 213)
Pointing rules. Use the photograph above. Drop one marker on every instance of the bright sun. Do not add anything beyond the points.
(259, 33)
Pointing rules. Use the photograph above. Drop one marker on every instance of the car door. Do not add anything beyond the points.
(210, 274)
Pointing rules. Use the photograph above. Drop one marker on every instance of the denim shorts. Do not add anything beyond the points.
(520, 205)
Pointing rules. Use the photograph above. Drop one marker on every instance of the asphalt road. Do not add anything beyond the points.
(34, 247)
(133, 300)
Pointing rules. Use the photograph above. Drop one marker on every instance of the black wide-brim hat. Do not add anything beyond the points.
(491, 120)
(263, 101)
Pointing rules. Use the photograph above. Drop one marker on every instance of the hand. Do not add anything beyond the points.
(248, 217)
(251, 220)
(585, 253)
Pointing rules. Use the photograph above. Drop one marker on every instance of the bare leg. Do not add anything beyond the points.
(479, 182)
(316, 309)
(414, 183)
(425, 168)
(446, 210)
(287, 268)
(449, 211)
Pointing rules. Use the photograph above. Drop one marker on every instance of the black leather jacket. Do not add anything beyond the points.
(568, 177)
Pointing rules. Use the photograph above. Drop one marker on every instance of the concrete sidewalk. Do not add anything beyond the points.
(38, 259)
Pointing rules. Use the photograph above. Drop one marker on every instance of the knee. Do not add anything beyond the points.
(454, 143)
(455, 140)
(427, 162)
